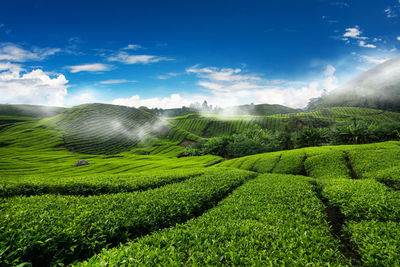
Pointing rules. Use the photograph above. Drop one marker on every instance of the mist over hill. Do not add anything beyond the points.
(249, 109)
(34, 111)
(378, 88)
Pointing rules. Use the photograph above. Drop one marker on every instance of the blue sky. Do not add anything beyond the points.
(172, 53)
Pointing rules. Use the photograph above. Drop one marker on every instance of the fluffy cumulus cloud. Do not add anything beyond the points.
(174, 100)
(92, 67)
(225, 87)
(353, 33)
(241, 88)
(31, 87)
(364, 44)
(14, 53)
(126, 58)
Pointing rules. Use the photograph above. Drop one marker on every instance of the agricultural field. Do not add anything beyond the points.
(209, 125)
(138, 203)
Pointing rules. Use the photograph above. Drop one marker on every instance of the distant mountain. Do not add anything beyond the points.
(259, 110)
(250, 109)
(377, 88)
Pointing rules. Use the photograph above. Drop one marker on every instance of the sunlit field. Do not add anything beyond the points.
(199, 133)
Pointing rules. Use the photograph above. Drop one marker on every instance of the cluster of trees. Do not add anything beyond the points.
(193, 108)
(293, 134)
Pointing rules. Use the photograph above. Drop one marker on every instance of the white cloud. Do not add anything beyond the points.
(352, 32)
(132, 47)
(89, 67)
(364, 44)
(31, 87)
(173, 101)
(373, 60)
(117, 81)
(390, 13)
(126, 58)
(225, 87)
(225, 76)
(15, 53)
(83, 96)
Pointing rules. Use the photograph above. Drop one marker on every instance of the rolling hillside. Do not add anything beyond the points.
(208, 126)
(104, 129)
(137, 202)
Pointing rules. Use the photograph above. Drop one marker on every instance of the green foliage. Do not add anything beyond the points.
(378, 242)
(92, 185)
(362, 199)
(357, 133)
(266, 162)
(390, 177)
(252, 141)
(366, 162)
(272, 220)
(329, 165)
(291, 162)
(293, 134)
(311, 137)
(53, 229)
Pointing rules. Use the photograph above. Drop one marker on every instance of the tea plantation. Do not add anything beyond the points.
(138, 203)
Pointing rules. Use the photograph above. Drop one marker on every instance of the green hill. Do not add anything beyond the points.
(105, 129)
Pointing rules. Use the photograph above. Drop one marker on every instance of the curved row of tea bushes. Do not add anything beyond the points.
(367, 161)
(363, 199)
(291, 162)
(49, 229)
(178, 135)
(389, 176)
(213, 126)
(262, 163)
(329, 165)
(272, 220)
(92, 185)
(378, 242)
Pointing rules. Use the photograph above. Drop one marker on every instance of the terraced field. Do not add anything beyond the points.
(318, 206)
(216, 126)
(359, 187)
